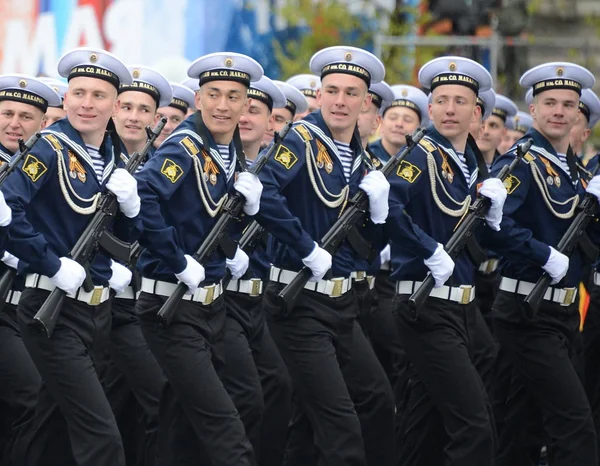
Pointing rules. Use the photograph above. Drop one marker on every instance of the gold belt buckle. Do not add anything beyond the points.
(360, 275)
(210, 294)
(569, 295)
(337, 287)
(96, 296)
(466, 294)
(491, 266)
(255, 290)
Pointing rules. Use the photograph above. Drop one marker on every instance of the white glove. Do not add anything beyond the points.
(441, 265)
(385, 255)
(249, 186)
(192, 275)
(120, 278)
(495, 190)
(593, 187)
(239, 264)
(377, 188)
(69, 277)
(124, 186)
(319, 262)
(557, 265)
(10, 260)
(5, 212)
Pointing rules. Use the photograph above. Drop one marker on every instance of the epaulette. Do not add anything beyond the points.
(189, 145)
(427, 145)
(54, 141)
(303, 132)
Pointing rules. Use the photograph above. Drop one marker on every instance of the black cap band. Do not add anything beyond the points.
(405, 103)
(225, 75)
(179, 104)
(347, 68)
(481, 105)
(455, 78)
(309, 93)
(500, 113)
(376, 99)
(262, 96)
(521, 128)
(585, 110)
(556, 83)
(140, 86)
(92, 71)
(291, 106)
(26, 97)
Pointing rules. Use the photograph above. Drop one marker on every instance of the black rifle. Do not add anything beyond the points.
(464, 231)
(6, 169)
(94, 237)
(354, 214)
(231, 211)
(248, 243)
(573, 237)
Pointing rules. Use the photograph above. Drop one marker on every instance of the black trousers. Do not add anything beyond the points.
(591, 342)
(445, 388)
(486, 286)
(256, 378)
(540, 353)
(66, 363)
(133, 376)
(339, 384)
(20, 384)
(196, 410)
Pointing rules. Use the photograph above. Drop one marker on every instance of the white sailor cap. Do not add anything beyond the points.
(348, 60)
(295, 101)
(191, 83)
(28, 90)
(504, 108)
(226, 66)
(557, 75)
(151, 82)
(529, 96)
(306, 83)
(486, 101)
(94, 63)
(413, 98)
(59, 86)
(589, 105)
(267, 92)
(520, 122)
(183, 97)
(381, 94)
(455, 70)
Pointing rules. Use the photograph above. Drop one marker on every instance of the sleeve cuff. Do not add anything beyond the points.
(50, 265)
(180, 262)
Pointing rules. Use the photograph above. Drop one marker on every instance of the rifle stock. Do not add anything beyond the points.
(354, 214)
(231, 210)
(88, 243)
(465, 231)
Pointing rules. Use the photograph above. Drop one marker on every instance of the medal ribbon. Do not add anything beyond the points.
(445, 165)
(74, 164)
(323, 159)
(210, 167)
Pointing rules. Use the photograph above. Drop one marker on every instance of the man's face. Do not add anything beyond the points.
(555, 112)
(54, 114)
(313, 105)
(18, 121)
(341, 99)
(579, 133)
(368, 121)
(136, 110)
(509, 140)
(397, 123)
(89, 103)
(492, 133)
(280, 117)
(222, 104)
(255, 121)
(452, 109)
(174, 117)
(476, 128)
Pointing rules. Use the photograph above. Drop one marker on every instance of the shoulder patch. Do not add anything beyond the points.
(529, 157)
(303, 132)
(33, 168)
(285, 157)
(54, 141)
(171, 170)
(190, 146)
(511, 183)
(408, 171)
(427, 145)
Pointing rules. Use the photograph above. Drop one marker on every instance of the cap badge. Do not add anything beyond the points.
(452, 66)
(560, 71)
(404, 93)
(229, 62)
(348, 56)
(93, 58)
(23, 83)
(136, 73)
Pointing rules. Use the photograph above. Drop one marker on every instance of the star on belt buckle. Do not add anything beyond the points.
(255, 289)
